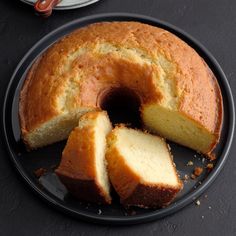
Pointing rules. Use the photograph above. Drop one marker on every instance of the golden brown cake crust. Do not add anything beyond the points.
(85, 190)
(131, 189)
(195, 85)
(151, 196)
(78, 156)
(77, 169)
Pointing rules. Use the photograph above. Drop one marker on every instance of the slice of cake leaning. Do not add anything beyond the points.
(83, 167)
(141, 168)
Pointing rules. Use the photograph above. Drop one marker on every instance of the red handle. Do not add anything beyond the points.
(44, 7)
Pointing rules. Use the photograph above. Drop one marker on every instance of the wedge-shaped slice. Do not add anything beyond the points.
(83, 167)
(141, 168)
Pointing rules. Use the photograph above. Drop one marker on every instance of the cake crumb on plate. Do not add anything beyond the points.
(209, 166)
(198, 171)
(198, 203)
(190, 163)
(39, 172)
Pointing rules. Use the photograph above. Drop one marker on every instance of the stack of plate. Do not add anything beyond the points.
(67, 4)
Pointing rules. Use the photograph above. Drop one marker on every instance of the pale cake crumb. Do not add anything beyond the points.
(198, 203)
(190, 163)
(186, 177)
(209, 166)
(193, 176)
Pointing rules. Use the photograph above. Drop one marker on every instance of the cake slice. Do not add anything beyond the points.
(141, 168)
(83, 167)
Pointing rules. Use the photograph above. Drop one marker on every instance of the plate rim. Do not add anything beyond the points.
(117, 220)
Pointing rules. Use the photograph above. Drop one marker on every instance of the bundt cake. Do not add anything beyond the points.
(141, 168)
(179, 96)
(83, 166)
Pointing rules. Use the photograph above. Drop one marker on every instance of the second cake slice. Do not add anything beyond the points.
(141, 168)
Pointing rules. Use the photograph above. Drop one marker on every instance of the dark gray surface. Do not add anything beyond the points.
(213, 23)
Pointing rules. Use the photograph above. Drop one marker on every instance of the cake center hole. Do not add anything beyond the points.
(122, 106)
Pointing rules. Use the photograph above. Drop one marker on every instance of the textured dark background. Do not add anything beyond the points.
(213, 23)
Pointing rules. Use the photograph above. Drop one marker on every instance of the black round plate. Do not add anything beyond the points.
(49, 187)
